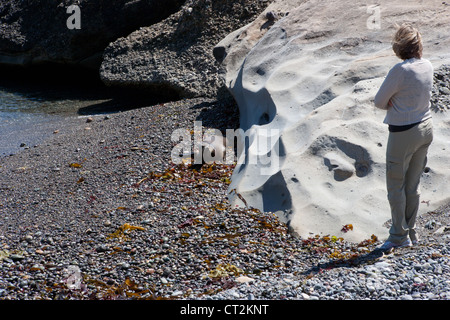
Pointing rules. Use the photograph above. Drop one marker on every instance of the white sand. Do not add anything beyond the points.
(309, 82)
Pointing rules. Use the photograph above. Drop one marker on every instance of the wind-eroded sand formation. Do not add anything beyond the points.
(305, 74)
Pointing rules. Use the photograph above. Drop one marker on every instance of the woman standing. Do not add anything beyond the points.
(406, 94)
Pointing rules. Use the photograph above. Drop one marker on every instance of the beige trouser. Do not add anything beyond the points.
(406, 157)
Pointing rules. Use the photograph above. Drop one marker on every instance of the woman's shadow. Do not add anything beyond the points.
(354, 261)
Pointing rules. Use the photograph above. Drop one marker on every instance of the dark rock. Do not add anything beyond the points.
(101, 248)
(16, 257)
(35, 32)
(271, 16)
(440, 100)
(175, 57)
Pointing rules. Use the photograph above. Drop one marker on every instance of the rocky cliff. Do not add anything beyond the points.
(164, 47)
(304, 82)
(177, 54)
(36, 31)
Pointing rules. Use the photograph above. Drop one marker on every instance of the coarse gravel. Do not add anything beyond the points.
(99, 212)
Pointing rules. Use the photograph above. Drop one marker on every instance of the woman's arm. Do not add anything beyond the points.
(388, 88)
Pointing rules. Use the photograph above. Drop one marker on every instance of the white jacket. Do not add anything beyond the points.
(408, 87)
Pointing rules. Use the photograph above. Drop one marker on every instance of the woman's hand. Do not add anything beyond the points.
(390, 104)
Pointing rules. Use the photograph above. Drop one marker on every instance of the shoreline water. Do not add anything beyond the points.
(33, 107)
(26, 133)
(28, 121)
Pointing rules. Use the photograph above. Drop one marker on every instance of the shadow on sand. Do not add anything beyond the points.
(83, 90)
(359, 260)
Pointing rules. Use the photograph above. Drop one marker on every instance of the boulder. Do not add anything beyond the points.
(304, 75)
(36, 32)
(174, 57)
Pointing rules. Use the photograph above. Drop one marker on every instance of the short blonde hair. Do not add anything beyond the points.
(407, 42)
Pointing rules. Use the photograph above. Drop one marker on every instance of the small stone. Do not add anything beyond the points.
(442, 230)
(177, 293)
(371, 288)
(16, 257)
(304, 296)
(37, 267)
(244, 279)
(444, 90)
(29, 238)
(416, 295)
(101, 248)
(430, 224)
(125, 265)
(166, 273)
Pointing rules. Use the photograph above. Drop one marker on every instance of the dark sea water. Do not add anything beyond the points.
(28, 119)
(35, 104)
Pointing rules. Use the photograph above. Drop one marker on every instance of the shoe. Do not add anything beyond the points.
(415, 242)
(388, 245)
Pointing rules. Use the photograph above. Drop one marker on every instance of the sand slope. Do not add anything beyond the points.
(308, 83)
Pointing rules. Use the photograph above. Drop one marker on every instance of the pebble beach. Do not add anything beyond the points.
(99, 212)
